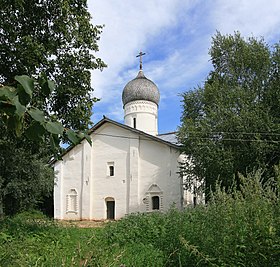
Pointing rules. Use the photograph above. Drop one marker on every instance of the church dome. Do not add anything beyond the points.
(140, 88)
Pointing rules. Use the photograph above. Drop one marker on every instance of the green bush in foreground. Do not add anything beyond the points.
(239, 228)
(31, 239)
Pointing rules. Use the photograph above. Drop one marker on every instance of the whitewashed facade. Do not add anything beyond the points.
(128, 168)
(143, 175)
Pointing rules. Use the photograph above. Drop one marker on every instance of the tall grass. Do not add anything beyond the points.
(237, 228)
(240, 228)
(31, 239)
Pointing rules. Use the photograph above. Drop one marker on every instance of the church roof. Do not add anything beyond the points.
(169, 137)
(161, 138)
(140, 88)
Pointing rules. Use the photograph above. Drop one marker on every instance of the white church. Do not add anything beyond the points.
(128, 168)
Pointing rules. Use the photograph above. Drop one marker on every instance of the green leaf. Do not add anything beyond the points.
(24, 98)
(36, 114)
(15, 124)
(18, 127)
(20, 109)
(27, 83)
(54, 127)
(56, 140)
(7, 93)
(72, 137)
(36, 131)
(47, 86)
(87, 137)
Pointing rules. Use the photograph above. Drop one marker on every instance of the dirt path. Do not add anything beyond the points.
(83, 224)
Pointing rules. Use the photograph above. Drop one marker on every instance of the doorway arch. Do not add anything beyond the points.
(110, 208)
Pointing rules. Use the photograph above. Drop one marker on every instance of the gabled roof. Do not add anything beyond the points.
(141, 133)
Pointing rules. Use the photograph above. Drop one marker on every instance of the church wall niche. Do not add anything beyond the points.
(72, 201)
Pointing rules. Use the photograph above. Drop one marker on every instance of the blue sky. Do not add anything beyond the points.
(176, 36)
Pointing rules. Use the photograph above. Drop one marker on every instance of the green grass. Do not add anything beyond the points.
(237, 229)
(30, 239)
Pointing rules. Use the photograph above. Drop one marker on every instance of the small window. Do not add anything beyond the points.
(134, 123)
(155, 203)
(111, 169)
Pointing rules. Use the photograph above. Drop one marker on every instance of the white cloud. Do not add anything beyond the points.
(128, 27)
(257, 17)
(176, 35)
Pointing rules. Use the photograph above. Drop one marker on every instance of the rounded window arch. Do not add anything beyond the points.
(109, 199)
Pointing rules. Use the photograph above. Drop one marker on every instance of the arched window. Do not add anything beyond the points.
(72, 201)
(155, 203)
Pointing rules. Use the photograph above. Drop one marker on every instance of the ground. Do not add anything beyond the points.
(84, 224)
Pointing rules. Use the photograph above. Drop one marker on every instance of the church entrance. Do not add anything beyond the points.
(110, 204)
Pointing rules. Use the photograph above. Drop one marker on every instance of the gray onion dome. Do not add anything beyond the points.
(140, 88)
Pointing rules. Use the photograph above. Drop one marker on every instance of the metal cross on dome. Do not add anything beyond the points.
(140, 55)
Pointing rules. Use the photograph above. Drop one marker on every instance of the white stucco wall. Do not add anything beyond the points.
(159, 166)
(139, 162)
(68, 176)
(109, 147)
(145, 113)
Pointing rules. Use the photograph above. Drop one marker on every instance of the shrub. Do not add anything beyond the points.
(236, 228)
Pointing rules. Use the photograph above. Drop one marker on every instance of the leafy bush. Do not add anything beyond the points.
(31, 239)
(236, 228)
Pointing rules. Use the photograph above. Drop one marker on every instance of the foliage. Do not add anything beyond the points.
(20, 116)
(240, 228)
(31, 239)
(231, 124)
(50, 42)
(57, 38)
(29, 178)
(25, 177)
(236, 229)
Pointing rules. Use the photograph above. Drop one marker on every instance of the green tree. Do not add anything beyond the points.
(55, 37)
(24, 175)
(25, 178)
(49, 39)
(231, 124)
